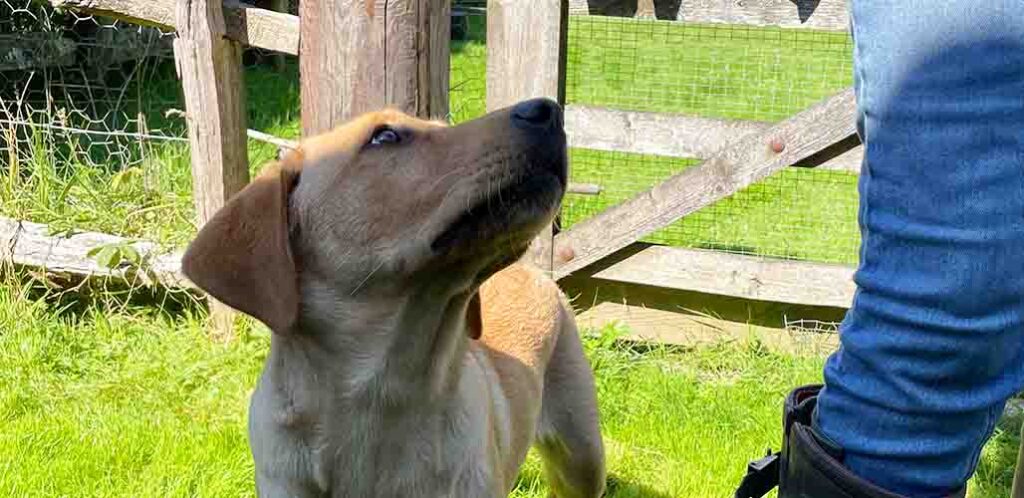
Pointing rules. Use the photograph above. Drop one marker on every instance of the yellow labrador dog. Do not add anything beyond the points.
(411, 354)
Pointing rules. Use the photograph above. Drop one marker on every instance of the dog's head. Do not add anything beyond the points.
(383, 203)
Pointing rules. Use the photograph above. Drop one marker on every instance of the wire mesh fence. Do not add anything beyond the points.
(724, 72)
(82, 143)
(89, 139)
(468, 82)
(70, 82)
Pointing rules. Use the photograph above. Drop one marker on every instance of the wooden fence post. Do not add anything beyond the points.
(357, 56)
(210, 68)
(1018, 474)
(526, 59)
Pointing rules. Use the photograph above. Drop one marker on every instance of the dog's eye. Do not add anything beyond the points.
(384, 136)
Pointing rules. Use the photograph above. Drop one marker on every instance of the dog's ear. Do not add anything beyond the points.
(242, 257)
(474, 317)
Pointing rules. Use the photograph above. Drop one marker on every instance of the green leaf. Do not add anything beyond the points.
(122, 178)
(109, 256)
(131, 255)
(60, 231)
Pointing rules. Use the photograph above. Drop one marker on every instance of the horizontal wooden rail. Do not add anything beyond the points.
(30, 51)
(244, 23)
(31, 245)
(283, 145)
(663, 134)
(712, 272)
(671, 135)
(825, 15)
(735, 166)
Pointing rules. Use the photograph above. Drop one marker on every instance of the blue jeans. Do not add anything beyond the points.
(934, 343)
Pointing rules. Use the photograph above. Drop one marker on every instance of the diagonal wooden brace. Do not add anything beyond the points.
(729, 170)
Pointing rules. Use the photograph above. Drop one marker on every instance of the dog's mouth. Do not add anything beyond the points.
(506, 219)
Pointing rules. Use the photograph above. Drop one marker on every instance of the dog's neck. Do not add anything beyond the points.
(361, 347)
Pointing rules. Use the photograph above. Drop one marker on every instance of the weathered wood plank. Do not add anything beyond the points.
(263, 28)
(646, 9)
(339, 43)
(244, 23)
(712, 272)
(829, 15)
(30, 245)
(359, 56)
(663, 134)
(525, 56)
(526, 59)
(738, 165)
(433, 35)
(672, 135)
(210, 67)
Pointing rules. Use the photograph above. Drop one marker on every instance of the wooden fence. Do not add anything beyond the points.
(735, 154)
(604, 250)
(357, 57)
(344, 74)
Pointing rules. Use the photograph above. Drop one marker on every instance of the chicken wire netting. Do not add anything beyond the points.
(82, 143)
(92, 135)
(723, 72)
(468, 83)
(69, 85)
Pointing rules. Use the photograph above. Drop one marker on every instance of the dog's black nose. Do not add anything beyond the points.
(537, 113)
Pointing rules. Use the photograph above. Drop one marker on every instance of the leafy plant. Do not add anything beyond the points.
(116, 254)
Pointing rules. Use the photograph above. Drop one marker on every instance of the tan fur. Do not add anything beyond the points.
(375, 276)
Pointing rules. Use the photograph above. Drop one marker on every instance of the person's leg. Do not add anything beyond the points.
(932, 347)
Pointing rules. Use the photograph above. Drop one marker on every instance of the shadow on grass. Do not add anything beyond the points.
(74, 297)
(624, 488)
(531, 483)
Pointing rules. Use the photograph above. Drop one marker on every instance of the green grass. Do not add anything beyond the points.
(113, 400)
(734, 72)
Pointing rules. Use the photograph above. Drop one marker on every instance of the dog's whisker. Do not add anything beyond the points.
(434, 185)
(440, 207)
(443, 178)
(367, 278)
(490, 207)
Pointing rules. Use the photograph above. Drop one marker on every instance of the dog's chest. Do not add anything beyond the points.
(408, 456)
(356, 453)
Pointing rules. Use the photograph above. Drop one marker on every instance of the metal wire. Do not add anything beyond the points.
(70, 84)
(468, 82)
(725, 72)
